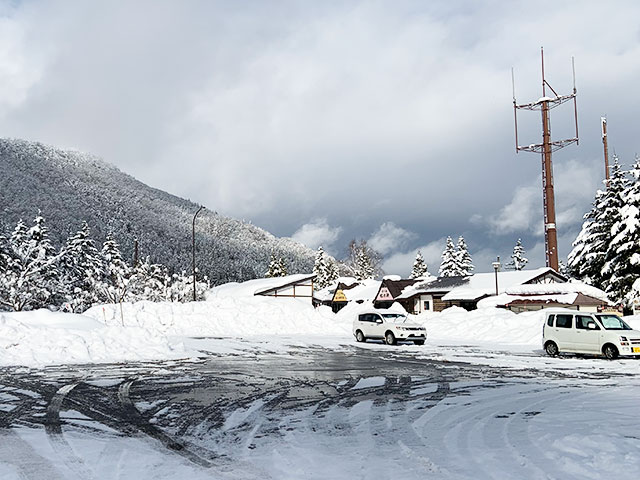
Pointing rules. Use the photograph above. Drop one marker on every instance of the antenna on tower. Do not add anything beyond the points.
(544, 105)
(605, 143)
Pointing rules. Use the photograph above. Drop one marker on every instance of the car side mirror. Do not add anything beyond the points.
(378, 320)
(591, 325)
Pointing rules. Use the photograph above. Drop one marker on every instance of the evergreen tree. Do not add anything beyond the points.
(148, 282)
(117, 272)
(518, 260)
(364, 262)
(325, 270)
(277, 267)
(449, 266)
(588, 257)
(81, 270)
(463, 258)
(563, 269)
(180, 288)
(619, 270)
(31, 278)
(419, 267)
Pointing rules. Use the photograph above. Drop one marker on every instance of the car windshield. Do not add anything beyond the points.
(613, 322)
(394, 318)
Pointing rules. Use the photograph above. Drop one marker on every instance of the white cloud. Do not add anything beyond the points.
(359, 111)
(317, 233)
(390, 238)
(574, 183)
(520, 214)
(401, 263)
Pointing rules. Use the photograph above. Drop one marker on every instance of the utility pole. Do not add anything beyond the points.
(605, 143)
(544, 105)
(193, 251)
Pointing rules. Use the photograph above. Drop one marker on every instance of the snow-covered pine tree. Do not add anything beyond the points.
(364, 262)
(148, 281)
(81, 270)
(45, 256)
(463, 258)
(31, 278)
(180, 288)
(518, 260)
(364, 266)
(276, 268)
(6, 272)
(563, 269)
(588, 256)
(325, 270)
(419, 269)
(619, 270)
(283, 267)
(449, 265)
(117, 272)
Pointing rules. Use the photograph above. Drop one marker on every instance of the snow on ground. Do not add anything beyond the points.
(42, 337)
(249, 323)
(231, 310)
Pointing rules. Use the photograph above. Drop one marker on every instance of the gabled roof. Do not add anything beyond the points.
(364, 290)
(572, 299)
(474, 287)
(269, 285)
(482, 285)
(396, 287)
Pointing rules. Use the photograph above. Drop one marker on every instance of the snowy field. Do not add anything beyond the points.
(314, 413)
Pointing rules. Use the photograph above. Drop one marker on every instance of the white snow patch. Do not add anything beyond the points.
(42, 337)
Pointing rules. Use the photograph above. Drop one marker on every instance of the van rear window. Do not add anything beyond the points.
(564, 321)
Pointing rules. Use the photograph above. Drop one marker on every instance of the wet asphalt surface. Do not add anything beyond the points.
(186, 406)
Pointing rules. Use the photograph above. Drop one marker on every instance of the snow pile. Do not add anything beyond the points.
(504, 299)
(231, 310)
(558, 288)
(483, 284)
(42, 337)
(487, 325)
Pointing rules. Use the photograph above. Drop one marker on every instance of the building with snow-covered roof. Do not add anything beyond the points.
(289, 286)
(436, 294)
(347, 290)
(571, 295)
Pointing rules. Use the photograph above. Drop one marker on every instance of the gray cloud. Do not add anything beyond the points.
(358, 112)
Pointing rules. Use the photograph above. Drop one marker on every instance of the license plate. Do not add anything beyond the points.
(635, 349)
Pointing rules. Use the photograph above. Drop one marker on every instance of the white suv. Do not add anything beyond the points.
(389, 327)
(594, 333)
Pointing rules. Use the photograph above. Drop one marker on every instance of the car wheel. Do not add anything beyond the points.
(551, 348)
(390, 338)
(360, 336)
(610, 351)
(419, 342)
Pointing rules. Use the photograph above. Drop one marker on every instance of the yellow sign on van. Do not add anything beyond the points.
(339, 296)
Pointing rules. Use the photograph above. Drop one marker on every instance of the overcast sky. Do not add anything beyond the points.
(390, 121)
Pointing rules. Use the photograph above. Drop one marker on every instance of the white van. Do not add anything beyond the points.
(594, 333)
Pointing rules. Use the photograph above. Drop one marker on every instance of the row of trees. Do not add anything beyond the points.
(34, 274)
(606, 252)
(456, 260)
(364, 262)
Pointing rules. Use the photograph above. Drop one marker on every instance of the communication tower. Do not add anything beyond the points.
(544, 105)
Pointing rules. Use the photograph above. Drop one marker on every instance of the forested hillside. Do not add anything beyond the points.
(69, 187)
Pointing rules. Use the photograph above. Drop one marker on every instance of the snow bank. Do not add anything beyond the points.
(42, 337)
(231, 310)
(487, 325)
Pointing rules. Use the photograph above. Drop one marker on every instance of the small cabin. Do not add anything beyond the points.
(290, 286)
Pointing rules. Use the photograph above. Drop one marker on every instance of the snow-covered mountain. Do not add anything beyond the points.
(69, 186)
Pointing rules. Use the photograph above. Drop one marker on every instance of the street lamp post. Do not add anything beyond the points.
(193, 251)
(496, 267)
